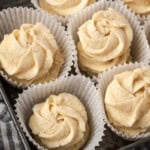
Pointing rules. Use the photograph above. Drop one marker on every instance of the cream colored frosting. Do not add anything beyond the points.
(60, 122)
(139, 6)
(30, 54)
(127, 101)
(104, 41)
(64, 7)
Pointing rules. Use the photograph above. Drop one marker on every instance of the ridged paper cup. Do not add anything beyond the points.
(104, 81)
(147, 29)
(79, 86)
(139, 46)
(13, 18)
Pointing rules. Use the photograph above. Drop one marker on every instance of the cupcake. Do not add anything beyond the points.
(60, 122)
(125, 94)
(64, 114)
(141, 7)
(107, 34)
(62, 9)
(34, 47)
(104, 41)
(30, 54)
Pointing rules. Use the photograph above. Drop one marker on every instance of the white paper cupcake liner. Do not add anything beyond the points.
(104, 80)
(147, 29)
(13, 18)
(79, 86)
(139, 47)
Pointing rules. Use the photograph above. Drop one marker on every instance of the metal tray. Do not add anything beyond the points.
(110, 141)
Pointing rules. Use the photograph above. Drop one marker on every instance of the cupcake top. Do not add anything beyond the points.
(60, 122)
(64, 7)
(127, 101)
(141, 7)
(30, 54)
(104, 41)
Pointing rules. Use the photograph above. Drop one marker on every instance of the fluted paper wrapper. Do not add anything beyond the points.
(13, 18)
(139, 46)
(79, 86)
(104, 81)
(147, 29)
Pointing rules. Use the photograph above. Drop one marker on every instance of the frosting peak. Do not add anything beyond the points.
(60, 122)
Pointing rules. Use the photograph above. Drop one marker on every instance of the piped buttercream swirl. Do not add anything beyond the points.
(127, 101)
(104, 41)
(60, 122)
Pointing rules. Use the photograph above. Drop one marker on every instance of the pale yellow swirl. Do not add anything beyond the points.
(127, 101)
(30, 54)
(139, 6)
(60, 122)
(64, 7)
(104, 41)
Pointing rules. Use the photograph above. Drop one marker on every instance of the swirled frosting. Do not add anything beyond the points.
(30, 54)
(64, 7)
(104, 41)
(127, 101)
(139, 6)
(60, 122)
